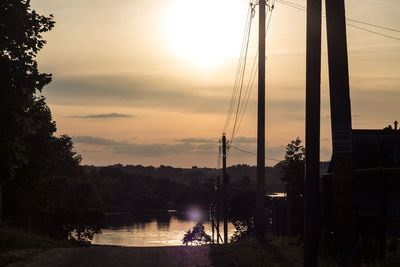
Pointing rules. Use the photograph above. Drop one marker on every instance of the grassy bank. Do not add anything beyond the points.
(275, 252)
(17, 244)
(280, 252)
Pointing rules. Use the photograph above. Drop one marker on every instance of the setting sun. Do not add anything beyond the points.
(205, 32)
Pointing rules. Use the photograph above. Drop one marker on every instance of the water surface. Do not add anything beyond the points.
(150, 230)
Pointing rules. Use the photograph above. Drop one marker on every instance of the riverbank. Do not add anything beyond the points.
(17, 244)
(99, 256)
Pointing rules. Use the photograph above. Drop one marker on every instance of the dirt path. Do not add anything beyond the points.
(109, 256)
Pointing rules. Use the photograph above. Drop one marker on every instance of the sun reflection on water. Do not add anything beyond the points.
(153, 233)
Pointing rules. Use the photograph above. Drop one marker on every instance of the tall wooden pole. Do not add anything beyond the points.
(212, 224)
(260, 222)
(1, 204)
(345, 190)
(313, 96)
(225, 188)
(218, 209)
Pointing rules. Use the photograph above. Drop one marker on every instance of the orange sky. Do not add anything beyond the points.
(149, 82)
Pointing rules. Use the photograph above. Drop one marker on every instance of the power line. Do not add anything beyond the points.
(243, 73)
(373, 25)
(252, 153)
(252, 76)
(303, 8)
(238, 70)
(371, 31)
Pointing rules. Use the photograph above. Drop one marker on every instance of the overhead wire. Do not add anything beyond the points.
(238, 71)
(252, 153)
(243, 74)
(249, 90)
(371, 31)
(304, 8)
(253, 71)
(374, 25)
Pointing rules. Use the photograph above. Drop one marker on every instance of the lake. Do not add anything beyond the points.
(151, 229)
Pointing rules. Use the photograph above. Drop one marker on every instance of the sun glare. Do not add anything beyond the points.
(205, 32)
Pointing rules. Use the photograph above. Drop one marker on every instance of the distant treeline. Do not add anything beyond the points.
(141, 188)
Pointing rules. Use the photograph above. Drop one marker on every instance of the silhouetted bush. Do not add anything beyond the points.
(197, 235)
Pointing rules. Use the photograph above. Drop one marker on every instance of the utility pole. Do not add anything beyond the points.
(212, 218)
(225, 188)
(345, 187)
(313, 103)
(1, 204)
(260, 220)
(218, 210)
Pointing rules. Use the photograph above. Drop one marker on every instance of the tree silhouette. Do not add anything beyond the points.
(292, 171)
(197, 235)
(52, 194)
(45, 187)
(20, 80)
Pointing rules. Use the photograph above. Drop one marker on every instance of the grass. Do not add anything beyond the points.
(17, 244)
(280, 251)
(274, 252)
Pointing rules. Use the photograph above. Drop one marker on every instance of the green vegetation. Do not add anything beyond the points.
(248, 252)
(292, 175)
(44, 188)
(197, 235)
(283, 251)
(18, 244)
(139, 188)
(127, 191)
(12, 238)
(20, 41)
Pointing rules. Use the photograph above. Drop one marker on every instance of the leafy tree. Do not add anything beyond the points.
(242, 213)
(197, 235)
(292, 175)
(51, 193)
(45, 187)
(20, 40)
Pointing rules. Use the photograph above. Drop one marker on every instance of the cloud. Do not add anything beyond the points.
(183, 146)
(143, 92)
(238, 140)
(199, 140)
(146, 149)
(103, 116)
(91, 140)
(245, 140)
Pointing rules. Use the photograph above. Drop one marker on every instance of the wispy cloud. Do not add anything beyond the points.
(238, 140)
(119, 90)
(103, 116)
(197, 146)
(198, 140)
(245, 140)
(146, 149)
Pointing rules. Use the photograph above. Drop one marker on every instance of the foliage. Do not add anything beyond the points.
(52, 194)
(12, 238)
(123, 189)
(281, 251)
(20, 40)
(45, 188)
(197, 235)
(292, 168)
(27, 243)
(248, 252)
(292, 175)
(242, 214)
